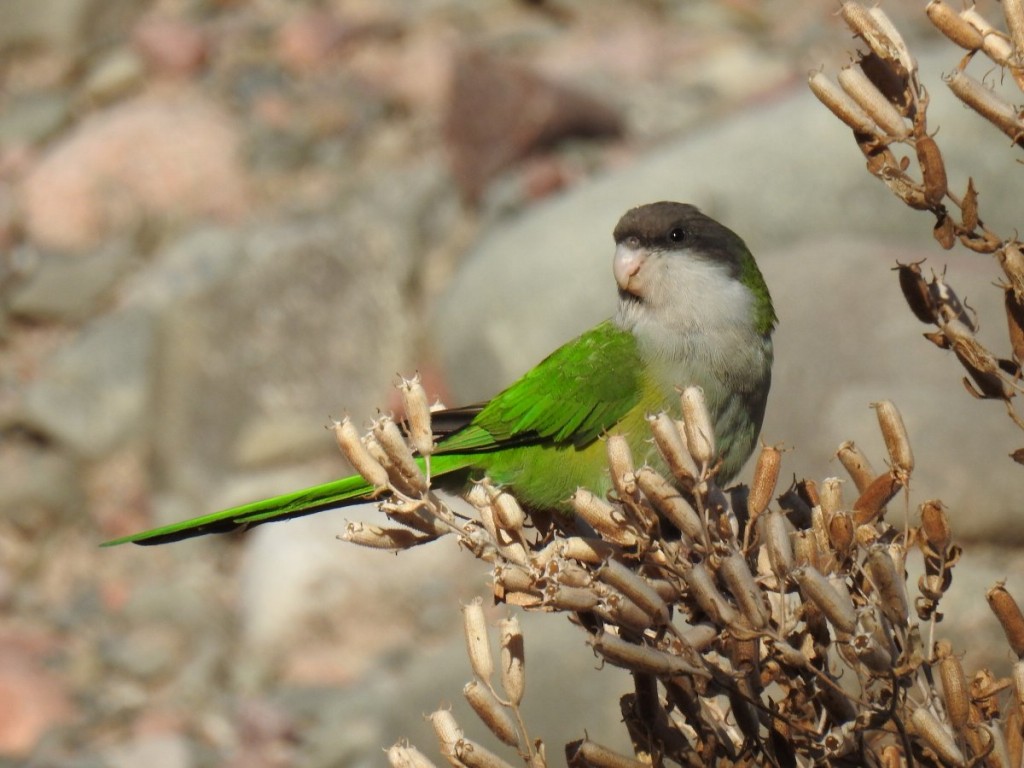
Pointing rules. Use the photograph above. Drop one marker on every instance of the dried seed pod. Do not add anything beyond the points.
(890, 583)
(1014, 322)
(933, 169)
(831, 496)
(840, 104)
(856, 465)
(894, 38)
(897, 443)
(417, 412)
(955, 692)
(475, 755)
(979, 363)
(839, 741)
(1013, 10)
(778, 544)
(478, 646)
(406, 471)
(950, 307)
(587, 549)
(636, 588)
(446, 729)
(603, 517)
(853, 80)
(954, 26)
(1018, 684)
(766, 476)
(589, 754)
(671, 442)
(906, 189)
(1014, 736)
(356, 453)
(935, 525)
(792, 502)
(937, 737)
(969, 207)
(997, 746)
(582, 549)
(789, 655)
(670, 503)
(702, 588)
(805, 549)
(822, 542)
(491, 712)
(640, 658)
(615, 608)
(388, 539)
(985, 693)
(944, 231)
(841, 534)
(916, 292)
(995, 44)
(1001, 113)
(513, 578)
(863, 24)
(1008, 612)
(816, 588)
(407, 756)
(981, 242)
(575, 599)
(507, 511)
(620, 465)
(740, 582)
(874, 655)
(700, 433)
(416, 514)
(699, 637)
(1011, 259)
(871, 503)
(513, 660)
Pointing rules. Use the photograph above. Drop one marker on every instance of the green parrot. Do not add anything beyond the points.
(693, 310)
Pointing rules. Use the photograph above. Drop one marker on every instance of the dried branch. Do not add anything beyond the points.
(879, 96)
(755, 633)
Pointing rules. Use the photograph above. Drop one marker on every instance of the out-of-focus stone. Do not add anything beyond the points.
(169, 154)
(146, 651)
(500, 112)
(38, 483)
(171, 47)
(34, 699)
(70, 288)
(64, 24)
(34, 117)
(309, 40)
(156, 751)
(94, 392)
(113, 77)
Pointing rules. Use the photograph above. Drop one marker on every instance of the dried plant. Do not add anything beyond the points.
(754, 634)
(880, 97)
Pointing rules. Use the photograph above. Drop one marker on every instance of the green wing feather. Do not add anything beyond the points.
(574, 395)
(567, 401)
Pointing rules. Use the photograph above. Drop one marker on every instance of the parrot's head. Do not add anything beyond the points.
(679, 269)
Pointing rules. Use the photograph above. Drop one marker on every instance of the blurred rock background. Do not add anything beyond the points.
(223, 221)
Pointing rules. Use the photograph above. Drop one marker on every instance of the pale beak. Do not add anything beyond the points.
(629, 259)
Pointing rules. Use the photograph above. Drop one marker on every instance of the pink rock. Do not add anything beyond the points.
(169, 154)
(33, 699)
(306, 42)
(500, 112)
(171, 46)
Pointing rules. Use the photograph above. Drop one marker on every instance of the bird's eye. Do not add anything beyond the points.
(677, 235)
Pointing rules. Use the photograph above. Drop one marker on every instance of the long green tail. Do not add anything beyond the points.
(337, 493)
